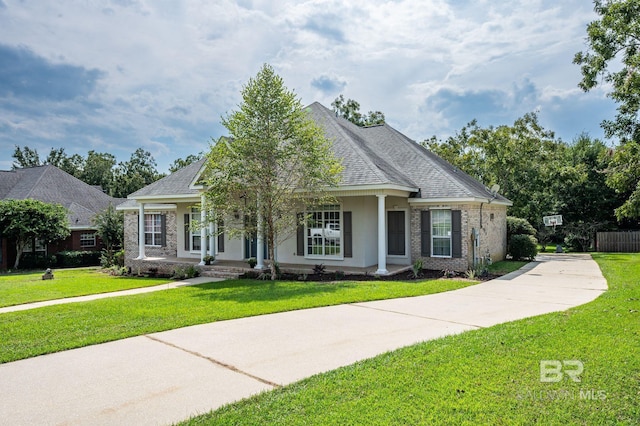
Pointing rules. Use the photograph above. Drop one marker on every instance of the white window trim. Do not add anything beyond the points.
(153, 233)
(92, 240)
(450, 256)
(406, 234)
(325, 257)
(194, 211)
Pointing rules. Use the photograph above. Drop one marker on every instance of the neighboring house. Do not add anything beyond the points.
(397, 203)
(52, 185)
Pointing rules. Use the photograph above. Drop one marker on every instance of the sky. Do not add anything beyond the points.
(117, 75)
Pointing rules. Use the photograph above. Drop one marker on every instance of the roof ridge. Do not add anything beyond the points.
(44, 168)
(342, 128)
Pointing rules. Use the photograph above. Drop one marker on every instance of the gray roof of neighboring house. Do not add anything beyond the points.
(52, 185)
(376, 155)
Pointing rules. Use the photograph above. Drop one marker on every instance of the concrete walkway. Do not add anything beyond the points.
(166, 377)
(141, 290)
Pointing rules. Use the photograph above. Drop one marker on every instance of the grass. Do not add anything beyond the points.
(503, 267)
(55, 328)
(18, 288)
(487, 376)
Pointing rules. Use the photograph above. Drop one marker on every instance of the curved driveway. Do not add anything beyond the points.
(166, 377)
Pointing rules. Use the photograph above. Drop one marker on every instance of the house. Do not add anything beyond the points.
(52, 185)
(397, 203)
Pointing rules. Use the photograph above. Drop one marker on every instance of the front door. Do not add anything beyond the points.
(251, 246)
(395, 233)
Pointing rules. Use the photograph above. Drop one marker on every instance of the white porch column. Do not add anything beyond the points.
(203, 230)
(382, 237)
(212, 239)
(141, 253)
(260, 242)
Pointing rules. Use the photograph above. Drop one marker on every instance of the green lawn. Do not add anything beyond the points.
(488, 376)
(18, 288)
(503, 267)
(55, 328)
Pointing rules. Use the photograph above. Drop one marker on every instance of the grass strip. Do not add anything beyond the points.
(29, 287)
(487, 376)
(55, 328)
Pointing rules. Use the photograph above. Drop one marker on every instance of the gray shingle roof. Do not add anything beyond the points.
(381, 154)
(377, 155)
(177, 183)
(52, 185)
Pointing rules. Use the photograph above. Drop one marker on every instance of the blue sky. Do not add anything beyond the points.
(116, 75)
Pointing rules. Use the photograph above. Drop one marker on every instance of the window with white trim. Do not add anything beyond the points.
(194, 233)
(39, 247)
(441, 233)
(323, 232)
(88, 239)
(153, 229)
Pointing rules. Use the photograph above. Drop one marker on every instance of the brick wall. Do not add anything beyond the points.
(492, 233)
(131, 237)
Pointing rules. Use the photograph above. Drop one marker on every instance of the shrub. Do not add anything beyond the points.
(417, 267)
(522, 246)
(516, 225)
(184, 272)
(74, 259)
(37, 261)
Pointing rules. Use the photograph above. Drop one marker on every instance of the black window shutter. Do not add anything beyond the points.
(163, 230)
(187, 222)
(425, 233)
(456, 233)
(300, 235)
(220, 236)
(348, 235)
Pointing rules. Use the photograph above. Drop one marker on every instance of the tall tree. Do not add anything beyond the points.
(98, 170)
(350, 110)
(613, 57)
(134, 174)
(184, 162)
(276, 163)
(520, 158)
(25, 157)
(24, 220)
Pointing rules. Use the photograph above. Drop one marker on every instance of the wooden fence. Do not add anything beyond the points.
(626, 242)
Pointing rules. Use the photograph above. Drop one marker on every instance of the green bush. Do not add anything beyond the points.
(516, 225)
(74, 259)
(32, 260)
(522, 246)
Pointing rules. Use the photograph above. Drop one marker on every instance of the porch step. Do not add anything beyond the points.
(220, 274)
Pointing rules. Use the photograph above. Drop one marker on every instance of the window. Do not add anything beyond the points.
(441, 233)
(324, 236)
(153, 229)
(88, 239)
(40, 246)
(195, 233)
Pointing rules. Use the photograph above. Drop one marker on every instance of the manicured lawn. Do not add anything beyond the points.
(488, 376)
(18, 288)
(503, 267)
(55, 328)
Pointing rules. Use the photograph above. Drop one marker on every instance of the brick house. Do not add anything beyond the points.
(52, 185)
(397, 202)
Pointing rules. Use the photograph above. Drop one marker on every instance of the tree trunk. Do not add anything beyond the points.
(19, 249)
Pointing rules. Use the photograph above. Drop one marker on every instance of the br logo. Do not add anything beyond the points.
(552, 370)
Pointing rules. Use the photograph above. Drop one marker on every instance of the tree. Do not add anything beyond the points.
(98, 170)
(25, 220)
(134, 174)
(184, 162)
(25, 157)
(613, 57)
(522, 159)
(276, 163)
(350, 110)
(110, 229)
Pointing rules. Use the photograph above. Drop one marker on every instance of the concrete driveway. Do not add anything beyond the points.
(166, 377)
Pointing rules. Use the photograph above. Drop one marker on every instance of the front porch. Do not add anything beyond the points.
(234, 268)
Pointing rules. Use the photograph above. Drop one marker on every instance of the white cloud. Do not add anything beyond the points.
(171, 69)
